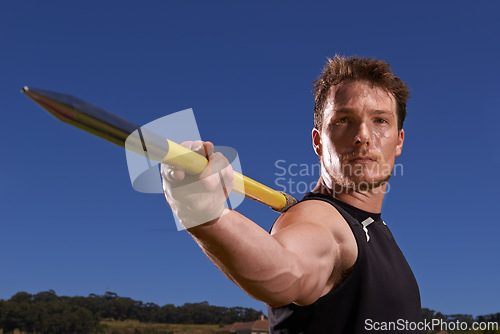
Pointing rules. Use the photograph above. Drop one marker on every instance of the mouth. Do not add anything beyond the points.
(361, 160)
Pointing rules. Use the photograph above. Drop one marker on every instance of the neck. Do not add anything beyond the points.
(370, 200)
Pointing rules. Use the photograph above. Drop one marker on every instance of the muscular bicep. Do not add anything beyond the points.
(310, 240)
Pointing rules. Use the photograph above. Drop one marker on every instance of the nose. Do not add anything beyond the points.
(362, 136)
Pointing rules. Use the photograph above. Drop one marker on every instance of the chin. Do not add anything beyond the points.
(366, 184)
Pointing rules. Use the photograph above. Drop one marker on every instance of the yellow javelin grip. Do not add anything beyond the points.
(194, 163)
(181, 157)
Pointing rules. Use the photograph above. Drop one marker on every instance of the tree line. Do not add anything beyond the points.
(45, 312)
(431, 314)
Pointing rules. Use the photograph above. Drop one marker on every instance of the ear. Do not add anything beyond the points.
(401, 139)
(316, 141)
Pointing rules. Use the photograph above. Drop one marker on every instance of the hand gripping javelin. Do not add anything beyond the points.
(116, 130)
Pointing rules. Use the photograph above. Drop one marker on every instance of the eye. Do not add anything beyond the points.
(341, 121)
(381, 120)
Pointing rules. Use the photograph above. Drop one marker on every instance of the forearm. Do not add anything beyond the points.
(251, 258)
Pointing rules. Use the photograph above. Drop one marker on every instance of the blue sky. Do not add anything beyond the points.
(70, 220)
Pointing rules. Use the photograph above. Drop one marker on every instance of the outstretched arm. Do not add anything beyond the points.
(294, 264)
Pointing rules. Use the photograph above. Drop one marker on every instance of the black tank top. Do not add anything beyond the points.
(381, 290)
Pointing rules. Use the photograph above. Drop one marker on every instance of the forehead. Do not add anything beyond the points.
(361, 96)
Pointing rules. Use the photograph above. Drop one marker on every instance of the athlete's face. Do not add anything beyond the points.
(359, 138)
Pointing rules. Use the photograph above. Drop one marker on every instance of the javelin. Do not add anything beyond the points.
(116, 130)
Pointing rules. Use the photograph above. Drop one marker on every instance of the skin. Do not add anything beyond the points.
(357, 144)
(311, 248)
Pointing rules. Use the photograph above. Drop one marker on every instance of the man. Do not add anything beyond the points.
(330, 264)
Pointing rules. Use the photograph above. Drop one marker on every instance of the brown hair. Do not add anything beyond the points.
(378, 72)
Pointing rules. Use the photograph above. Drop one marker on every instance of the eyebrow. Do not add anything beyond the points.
(382, 112)
(350, 111)
(343, 111)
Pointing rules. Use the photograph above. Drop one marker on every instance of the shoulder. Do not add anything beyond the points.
(324, 219)
(315, 212)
